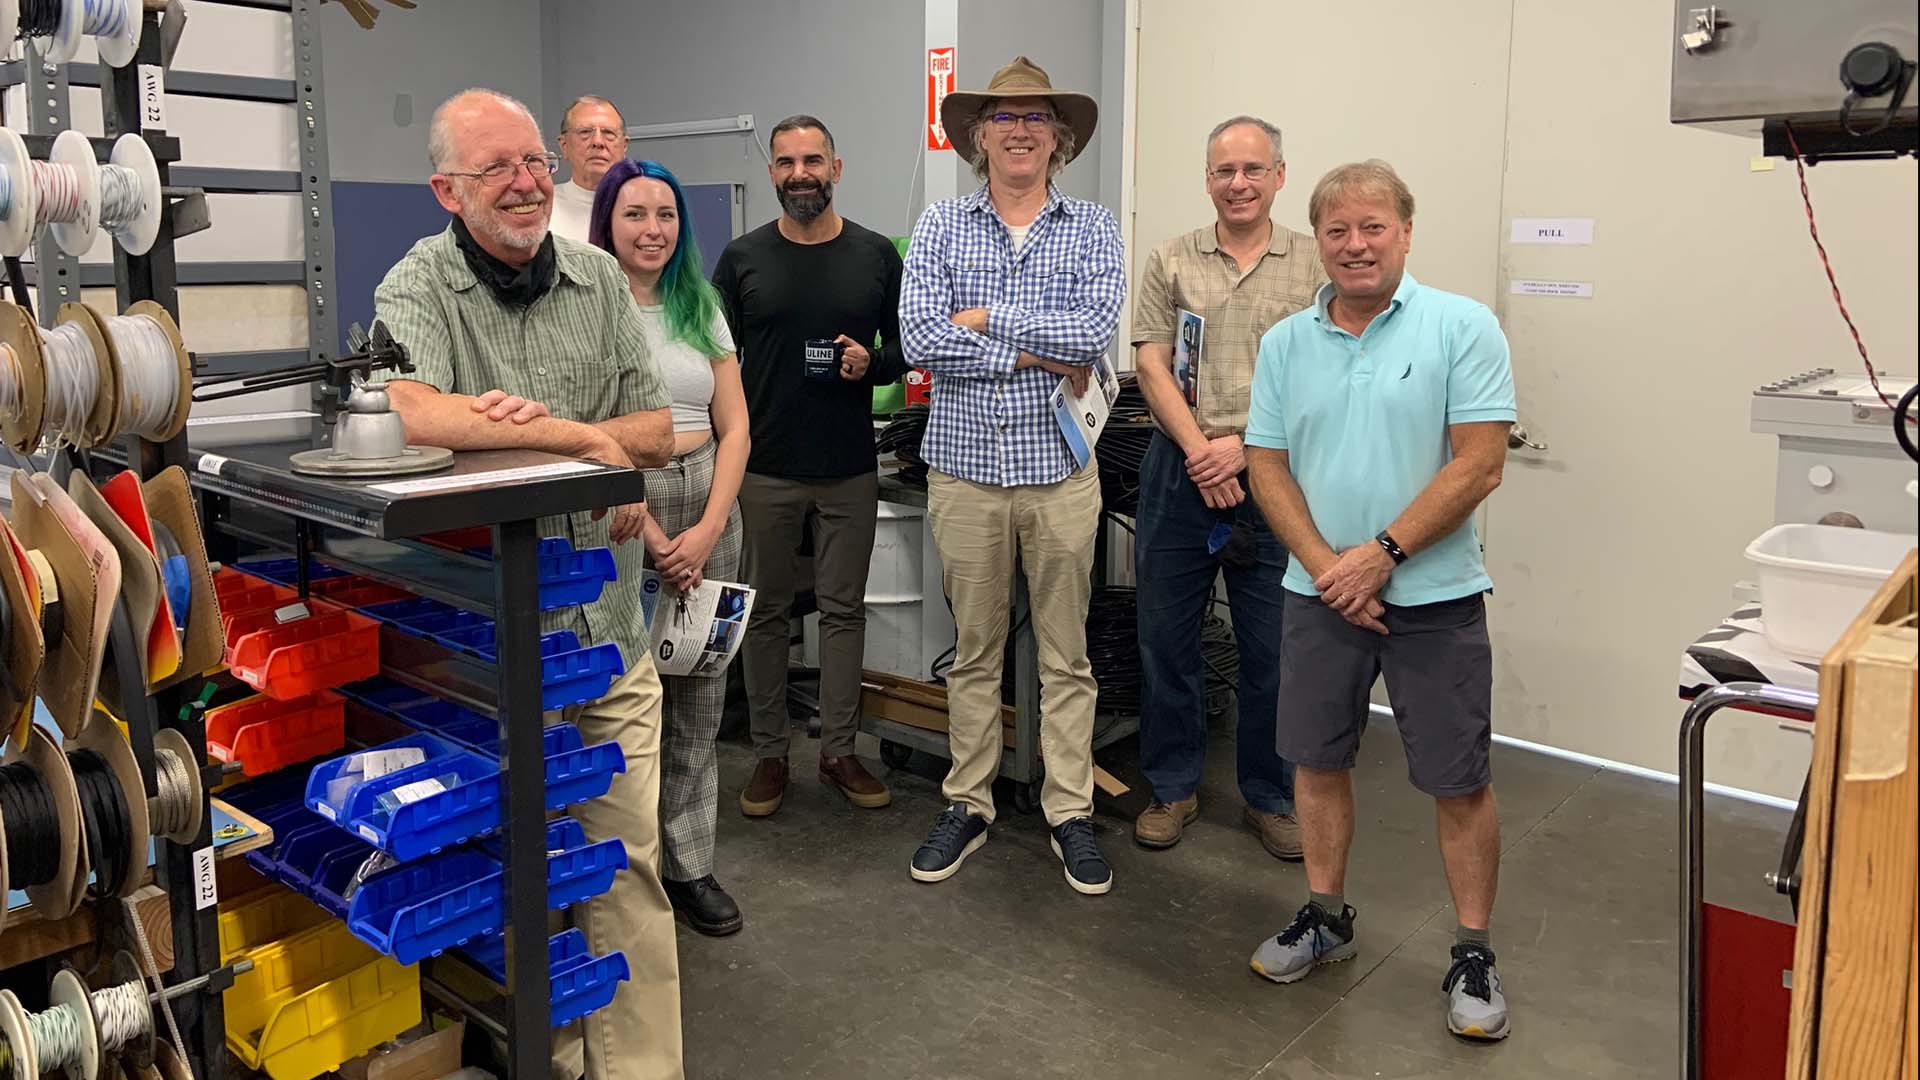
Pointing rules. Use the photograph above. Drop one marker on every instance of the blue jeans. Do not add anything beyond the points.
(1175, 572)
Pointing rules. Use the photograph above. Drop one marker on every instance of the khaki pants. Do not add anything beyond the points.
(979, 529)
(637, 1037)
(774, 513)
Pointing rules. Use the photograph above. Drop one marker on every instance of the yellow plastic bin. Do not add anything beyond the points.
(315, 1000)
(265, 916)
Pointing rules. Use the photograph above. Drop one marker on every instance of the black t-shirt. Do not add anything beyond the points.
(777, 295)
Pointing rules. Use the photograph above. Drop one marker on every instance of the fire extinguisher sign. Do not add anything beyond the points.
(939, 85)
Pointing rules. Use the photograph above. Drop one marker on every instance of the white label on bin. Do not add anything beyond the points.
(381, 762)
(419, 789)
(485, 479)
(205, 892)
(290, 613)
(368, 832)
(326, 811)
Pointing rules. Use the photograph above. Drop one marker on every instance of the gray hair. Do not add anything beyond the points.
(590, 99)
(1064, 142)
(1372, 177)
(440, 134)
(1272, 133)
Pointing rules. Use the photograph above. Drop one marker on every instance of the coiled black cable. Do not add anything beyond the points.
(103, 808)
(1900, 433)
(901, 438)
(39, 18)
(32, 826)
(1122, 449)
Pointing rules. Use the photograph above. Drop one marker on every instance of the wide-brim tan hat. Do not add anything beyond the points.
(1020, 79)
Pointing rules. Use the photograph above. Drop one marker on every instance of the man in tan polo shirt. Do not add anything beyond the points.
(1240, 275)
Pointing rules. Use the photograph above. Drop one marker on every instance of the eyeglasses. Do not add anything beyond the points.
(501, 173)
(606, 133)
(1004, 121)
(1224, 174)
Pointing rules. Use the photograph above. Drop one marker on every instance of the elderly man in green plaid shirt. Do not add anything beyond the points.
(522, 339)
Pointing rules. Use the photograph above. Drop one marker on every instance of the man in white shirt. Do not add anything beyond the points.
(593, 135)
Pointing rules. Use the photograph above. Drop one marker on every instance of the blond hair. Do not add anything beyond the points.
(1371, 178)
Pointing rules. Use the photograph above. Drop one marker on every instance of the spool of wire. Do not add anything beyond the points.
(901, 438)
(176, 573)
(73, 382)
(57, 26)
(1122, 449)
(66, 190)
(175, 810)
(32, 825)
(104, 812)
(149, 375)
(125, 1017)
(17, 208)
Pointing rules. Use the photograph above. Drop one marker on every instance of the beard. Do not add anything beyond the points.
(508, 231)
(806, 204)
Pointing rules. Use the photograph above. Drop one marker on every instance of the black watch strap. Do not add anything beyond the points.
(1392, 547)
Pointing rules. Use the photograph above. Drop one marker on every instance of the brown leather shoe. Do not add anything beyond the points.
(1279, 833)
(860, 787)
(767, 790)
(1160, 825)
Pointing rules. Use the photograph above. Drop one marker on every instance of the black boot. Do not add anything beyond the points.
(705, 904)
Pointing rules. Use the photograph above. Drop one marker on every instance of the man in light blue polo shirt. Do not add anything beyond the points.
(1378, 424)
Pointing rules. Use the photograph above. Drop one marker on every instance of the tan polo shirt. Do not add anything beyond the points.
(1190, 271)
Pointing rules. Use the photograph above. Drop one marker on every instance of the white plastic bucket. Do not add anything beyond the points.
(1814, 579)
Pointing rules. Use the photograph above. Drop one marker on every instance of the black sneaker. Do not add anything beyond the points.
(956, 834)
(705, 905)
(1086, 869)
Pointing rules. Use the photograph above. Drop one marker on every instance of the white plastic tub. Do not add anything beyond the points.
(1814, 579)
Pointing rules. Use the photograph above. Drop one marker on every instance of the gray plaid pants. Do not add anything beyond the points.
(689, 774)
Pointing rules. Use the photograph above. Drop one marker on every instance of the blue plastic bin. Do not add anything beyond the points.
(425, 908)
(578, 981)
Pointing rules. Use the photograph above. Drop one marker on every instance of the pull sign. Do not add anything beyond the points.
(153, 98)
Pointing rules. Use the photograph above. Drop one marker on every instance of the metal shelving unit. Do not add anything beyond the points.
(60, 276)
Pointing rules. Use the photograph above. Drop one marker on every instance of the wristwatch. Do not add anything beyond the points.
(1391, 546)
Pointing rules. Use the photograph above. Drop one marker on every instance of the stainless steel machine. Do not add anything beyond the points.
(1837, 450)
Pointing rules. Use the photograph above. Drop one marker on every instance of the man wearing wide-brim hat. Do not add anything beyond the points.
(1008, 292)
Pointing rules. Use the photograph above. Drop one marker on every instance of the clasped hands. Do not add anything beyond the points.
(629, 520)
(1351, 586)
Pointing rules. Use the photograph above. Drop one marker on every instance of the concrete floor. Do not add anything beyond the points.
(849, 969)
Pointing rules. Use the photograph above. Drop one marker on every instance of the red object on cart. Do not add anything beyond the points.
(265, 735)
(919, 386)
(294, 659)
(1745, 966)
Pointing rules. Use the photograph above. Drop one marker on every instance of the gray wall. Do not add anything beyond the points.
(856, 64)
(382, 84)
(852, 63)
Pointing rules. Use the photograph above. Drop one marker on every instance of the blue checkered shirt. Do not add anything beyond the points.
(1059, 299)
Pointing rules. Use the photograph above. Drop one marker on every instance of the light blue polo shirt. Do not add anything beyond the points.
(1364, 421)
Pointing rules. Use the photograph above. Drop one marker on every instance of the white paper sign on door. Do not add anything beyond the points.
(1541, 230)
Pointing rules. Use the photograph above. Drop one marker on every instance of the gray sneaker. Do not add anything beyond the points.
(1475, 1007)
(1311, 939)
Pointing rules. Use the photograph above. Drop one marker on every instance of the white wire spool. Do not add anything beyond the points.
(83, 382)
(136, 236)
(13, 1028)
(114, 25)
(68, 990)
(16, 229)
(70, 148)
(156, 372)
(122, 39)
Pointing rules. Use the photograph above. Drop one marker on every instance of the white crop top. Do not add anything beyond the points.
(688, 375)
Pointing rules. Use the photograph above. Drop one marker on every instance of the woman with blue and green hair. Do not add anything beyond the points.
(693, 528)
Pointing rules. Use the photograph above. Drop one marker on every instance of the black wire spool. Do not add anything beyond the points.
(39, 18)
(1122, 449)
(901, 439)
(32, 825)
(103, 809)
(1113, 648)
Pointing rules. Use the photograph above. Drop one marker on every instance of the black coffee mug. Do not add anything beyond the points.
(823, 359)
